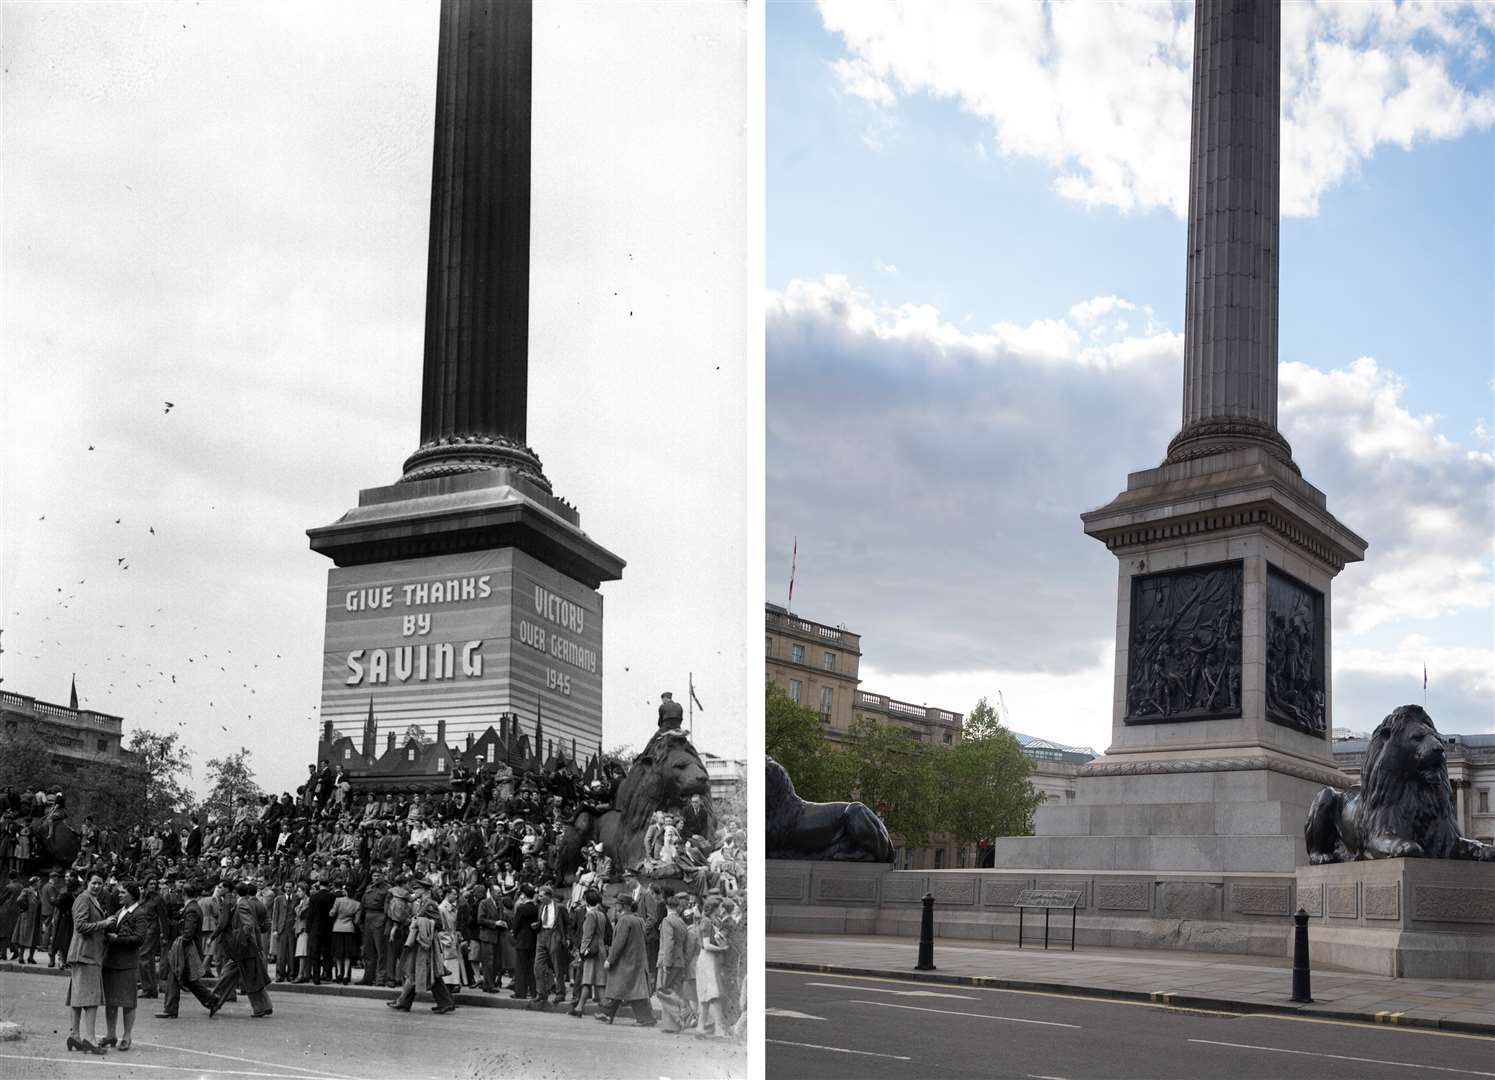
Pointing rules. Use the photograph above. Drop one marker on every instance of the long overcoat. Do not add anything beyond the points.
(628, 961)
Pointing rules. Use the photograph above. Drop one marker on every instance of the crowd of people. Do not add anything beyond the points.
(416, 891)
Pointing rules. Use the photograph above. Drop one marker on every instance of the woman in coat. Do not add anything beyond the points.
(709, 971)
(422, 962)
(121, 967)
(85, 957)
(592, 950)
(62, 924)
(627, 968)
(27, 934)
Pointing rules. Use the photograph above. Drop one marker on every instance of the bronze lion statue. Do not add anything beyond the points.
(810, 830)
(664, 775)
(1403, 806)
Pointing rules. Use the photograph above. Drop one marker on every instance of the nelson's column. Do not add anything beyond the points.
(1188, 830)
(467, 589)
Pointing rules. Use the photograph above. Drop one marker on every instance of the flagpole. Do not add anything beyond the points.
(690, 705)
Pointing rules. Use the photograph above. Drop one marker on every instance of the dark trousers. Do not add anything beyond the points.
(196, 987)
(150, 983)
(285, 955)
(395, 949)
(375, 946)
(319, 952)
(488, 959)
(228, 983)
(524, 971)
(674, 980)
(550, 976)
(643, 1012)
(438, 990)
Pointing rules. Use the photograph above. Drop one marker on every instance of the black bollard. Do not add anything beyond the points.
(926, 936)
(1301, 990)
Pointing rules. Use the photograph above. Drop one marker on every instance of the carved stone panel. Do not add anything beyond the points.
(1067, 883)
(901, 889)
(846, 888)
(1451, 904)
(1311, 899)
(1343, 901)
(960, 892)
(1295, 654)
(1262, 899)
(1001, 893)
(785, 887)
(1184, 655)
(1123, 895)
(1383, 901)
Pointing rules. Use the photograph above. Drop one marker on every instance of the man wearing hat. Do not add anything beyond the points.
(184, 966)
(242, 933)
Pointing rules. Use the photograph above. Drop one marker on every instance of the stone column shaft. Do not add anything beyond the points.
(477, 276)
(1230, 322)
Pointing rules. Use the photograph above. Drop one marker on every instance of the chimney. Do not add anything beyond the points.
(327, 732)
(441, 734)
(389, 745)
(469, 740)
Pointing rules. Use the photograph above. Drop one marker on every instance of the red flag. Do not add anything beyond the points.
(793, 560)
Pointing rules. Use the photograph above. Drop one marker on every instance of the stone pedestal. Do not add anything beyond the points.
(1419, 918)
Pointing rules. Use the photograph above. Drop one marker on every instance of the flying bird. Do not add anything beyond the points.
(119, 560)
(169, 406)
(153, 530)
(90, 447)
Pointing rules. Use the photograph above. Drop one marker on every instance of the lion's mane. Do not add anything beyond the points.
(784, 806)
(1404, 789)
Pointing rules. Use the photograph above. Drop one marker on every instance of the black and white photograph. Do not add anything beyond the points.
(375, 530)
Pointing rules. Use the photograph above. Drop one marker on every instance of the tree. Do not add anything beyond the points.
(792, 737)
(166, 762)
(26, 760)
(985, 791)
(418, 733)
(897, 776)
(229, 779)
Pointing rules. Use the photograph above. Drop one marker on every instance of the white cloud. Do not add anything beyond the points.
(935, 475)
(1100, 92)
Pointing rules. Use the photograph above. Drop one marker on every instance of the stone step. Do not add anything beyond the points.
(1263, 818)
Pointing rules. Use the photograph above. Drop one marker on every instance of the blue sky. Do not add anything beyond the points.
(945, 185)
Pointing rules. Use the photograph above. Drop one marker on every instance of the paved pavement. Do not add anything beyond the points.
(337, 1036)
(1199, 980)
(873, 1028)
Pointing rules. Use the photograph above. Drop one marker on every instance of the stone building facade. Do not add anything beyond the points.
(86, 747)
(1471, 771)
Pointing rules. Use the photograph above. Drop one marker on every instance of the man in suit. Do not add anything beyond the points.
(319, 931)
(283, 929)
(153, 920)
(526, 918)
(550, 951)
(651, 911)
(184, 966)
(491, 925)
(194, 840)
(242, 933)
(670, 973)
(695, 819)
(324, 784)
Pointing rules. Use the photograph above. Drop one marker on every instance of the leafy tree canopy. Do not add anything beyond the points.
(229, 779)
(793, 738)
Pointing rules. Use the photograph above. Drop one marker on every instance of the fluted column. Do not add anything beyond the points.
(477, 273)
(1230, 320)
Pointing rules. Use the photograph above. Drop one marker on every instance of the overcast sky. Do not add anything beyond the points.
(225, 206)
(975, 264)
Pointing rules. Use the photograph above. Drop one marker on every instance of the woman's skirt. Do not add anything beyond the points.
(592, 971)
(120, 985)
(344, 945)
(85, 987)
(301, 942)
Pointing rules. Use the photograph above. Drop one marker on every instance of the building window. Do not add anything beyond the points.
(441, 764)
(830, 661)
(827, 700)
(939, 858)
(949, 738)
(768, 646)
(409, 753)
(347, 753)
(794, 688)
(103, 745)
(1484, 800)
(797, 654)
(492, 753)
